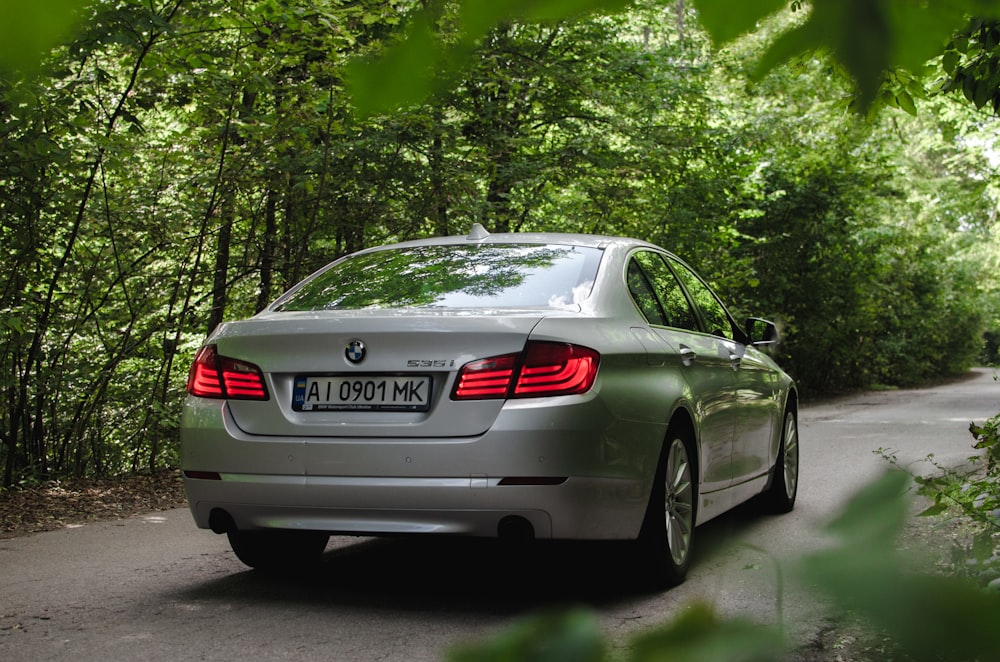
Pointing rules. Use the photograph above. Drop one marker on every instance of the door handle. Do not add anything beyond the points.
(735, 360)
(688, 355)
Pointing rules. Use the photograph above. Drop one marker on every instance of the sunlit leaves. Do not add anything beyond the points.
(971, 63)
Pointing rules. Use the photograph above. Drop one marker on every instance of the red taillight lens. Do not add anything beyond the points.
(215, 376)
(203, 378)
(556, 369)
(543, 369)
(485, 379)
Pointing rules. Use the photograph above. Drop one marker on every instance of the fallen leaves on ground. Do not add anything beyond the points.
(58, 504)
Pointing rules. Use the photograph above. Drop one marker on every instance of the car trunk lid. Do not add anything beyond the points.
(370, 373)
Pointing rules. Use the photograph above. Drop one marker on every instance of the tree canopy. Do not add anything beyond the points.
(166, 166)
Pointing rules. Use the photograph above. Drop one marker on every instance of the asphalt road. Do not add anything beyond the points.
(156, 588)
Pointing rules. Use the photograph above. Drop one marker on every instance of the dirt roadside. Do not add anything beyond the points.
(59, 504)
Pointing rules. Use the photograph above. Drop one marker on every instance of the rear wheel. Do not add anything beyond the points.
(278, 550)
(780, 496)
(668, 530)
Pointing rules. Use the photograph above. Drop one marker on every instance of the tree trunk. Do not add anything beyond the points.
(221, 278)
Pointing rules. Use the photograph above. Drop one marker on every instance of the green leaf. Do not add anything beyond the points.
(928, 615)
(571, 636)
(920, 33)
(30, 29)
(699, 635)
(905, 101)
(400, 77)
(13, 323)
(949, 61)
(931, 511)
(407, 72)
(726, 20)
(876, 514)
(790, 44)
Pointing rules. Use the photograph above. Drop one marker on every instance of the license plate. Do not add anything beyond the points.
(361, 393)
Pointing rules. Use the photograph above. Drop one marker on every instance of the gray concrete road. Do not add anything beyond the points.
(156, 588)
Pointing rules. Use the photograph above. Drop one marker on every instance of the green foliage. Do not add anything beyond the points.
(988, 439)
(932, 617)
(174, 166)
(874, 41)
(867, 37)
(926, 616)
(975, 495)
(564, 636)
(971, 65)
(178, 164)
(429, 58)
(698, 634)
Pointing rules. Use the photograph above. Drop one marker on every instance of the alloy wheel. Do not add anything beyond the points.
(679, 502)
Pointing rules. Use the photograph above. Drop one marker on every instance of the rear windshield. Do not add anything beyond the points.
(453, 276)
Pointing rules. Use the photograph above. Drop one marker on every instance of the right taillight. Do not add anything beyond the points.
(542, 369)
(215, 376)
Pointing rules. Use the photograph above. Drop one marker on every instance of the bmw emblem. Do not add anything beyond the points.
(355, 351)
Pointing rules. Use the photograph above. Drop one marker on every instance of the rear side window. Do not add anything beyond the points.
(670, 302)
(715, 316)
(642, 293)
(453, 276)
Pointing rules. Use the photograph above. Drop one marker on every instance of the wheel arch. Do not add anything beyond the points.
(790, 404)
(661, 529)
(682, 421)
(792, 400)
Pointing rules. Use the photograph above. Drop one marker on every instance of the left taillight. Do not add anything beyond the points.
(542, 369)
(215, 376)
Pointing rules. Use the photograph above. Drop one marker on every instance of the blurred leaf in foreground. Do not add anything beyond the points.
(699, 635)
(570, 636)
(932, 617)
(868, 38)
(424, 60)
(30, 29)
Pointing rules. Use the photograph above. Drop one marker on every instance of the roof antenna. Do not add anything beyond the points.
(477, 233)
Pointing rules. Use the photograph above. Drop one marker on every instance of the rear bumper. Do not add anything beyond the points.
(576, 509)
(594, 474)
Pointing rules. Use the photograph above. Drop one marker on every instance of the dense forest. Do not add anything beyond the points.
(171, 165)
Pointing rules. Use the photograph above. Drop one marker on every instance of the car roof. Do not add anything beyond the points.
(479, 235)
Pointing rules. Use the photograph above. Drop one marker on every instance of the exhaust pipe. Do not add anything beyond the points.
(515, 528)
(220, 521)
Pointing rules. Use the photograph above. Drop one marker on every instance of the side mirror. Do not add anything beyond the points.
(761, 332)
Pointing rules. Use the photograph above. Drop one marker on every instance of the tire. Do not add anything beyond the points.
(667, 535)
(278, 550)
(784, 484)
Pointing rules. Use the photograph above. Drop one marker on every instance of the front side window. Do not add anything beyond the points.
(452, 276)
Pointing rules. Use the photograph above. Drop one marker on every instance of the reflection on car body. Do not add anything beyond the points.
(508, 385)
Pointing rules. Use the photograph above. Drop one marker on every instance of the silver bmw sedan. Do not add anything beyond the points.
(521, 386)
